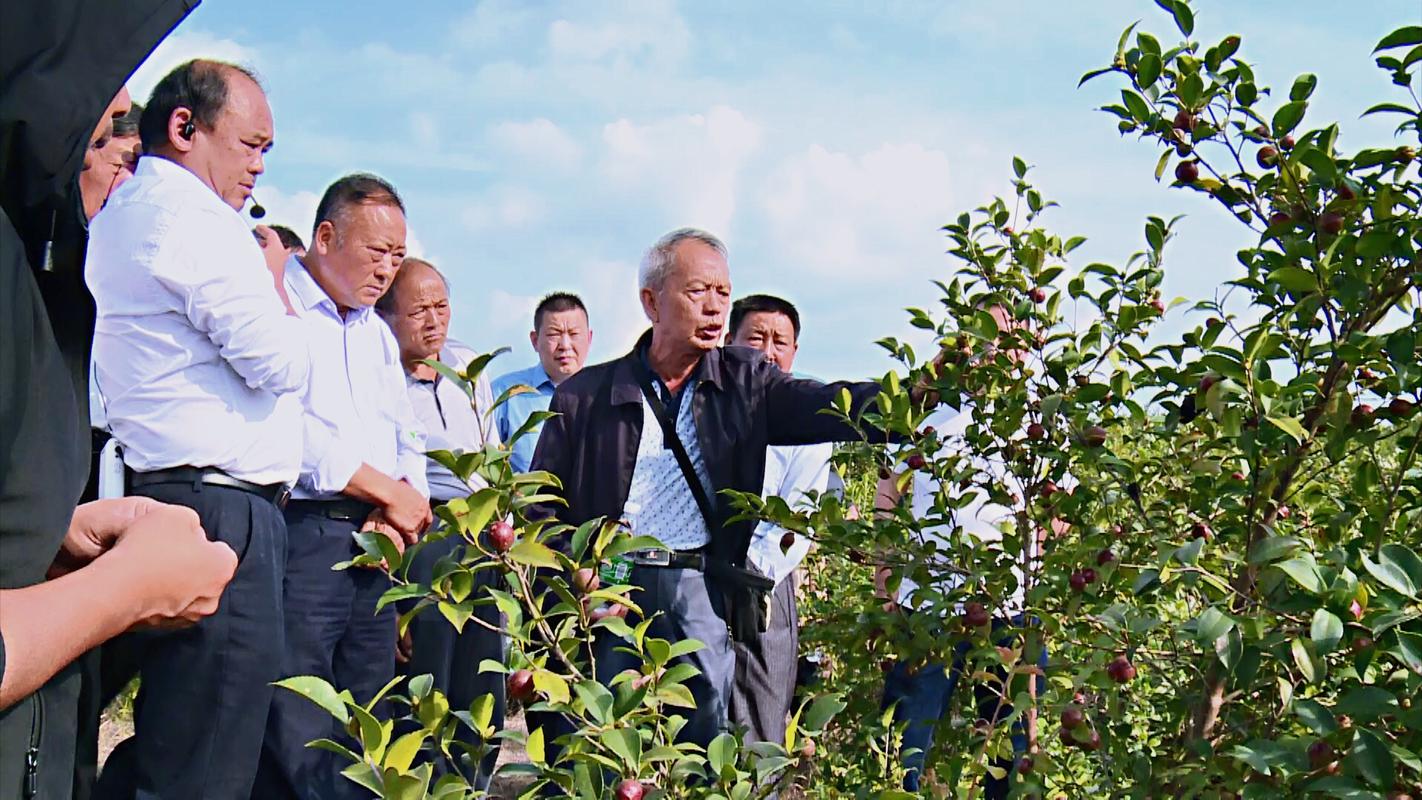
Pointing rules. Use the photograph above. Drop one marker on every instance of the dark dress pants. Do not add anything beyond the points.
(332, 632)
(691, 608)
(452, 658)
(201, 709)
(925, 696)
(765, 671)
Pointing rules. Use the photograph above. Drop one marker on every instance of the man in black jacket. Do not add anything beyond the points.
(610, 452)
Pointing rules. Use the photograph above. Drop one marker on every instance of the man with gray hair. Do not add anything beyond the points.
(654, 437)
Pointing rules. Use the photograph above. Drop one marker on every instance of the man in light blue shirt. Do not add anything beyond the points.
(561, 336)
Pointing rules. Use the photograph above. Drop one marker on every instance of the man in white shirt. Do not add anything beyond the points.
(201, 364)
(765, 668)
(417, 310)
(922, 695)
(363, 468)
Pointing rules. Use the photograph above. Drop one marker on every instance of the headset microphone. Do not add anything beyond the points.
(256, 210)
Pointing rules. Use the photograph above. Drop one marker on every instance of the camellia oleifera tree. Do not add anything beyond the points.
(1217, 536)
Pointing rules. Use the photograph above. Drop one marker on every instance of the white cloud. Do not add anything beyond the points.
(649, 31)
(868, 216)
(687, 165)
(537, 142)
(182, 47)
(503, 209)
(491, 22)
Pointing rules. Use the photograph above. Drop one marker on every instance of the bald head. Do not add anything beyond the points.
(416, 306)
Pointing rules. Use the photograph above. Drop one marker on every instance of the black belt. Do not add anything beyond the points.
(274, 493)
(342, 508)
(671, 559)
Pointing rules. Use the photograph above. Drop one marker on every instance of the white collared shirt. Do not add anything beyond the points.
(659, 501)
(199, 362)
(790, 472)
(356, 407)
(978, 518)
(452, 421)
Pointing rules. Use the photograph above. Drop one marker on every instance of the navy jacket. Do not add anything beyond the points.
(741, 404)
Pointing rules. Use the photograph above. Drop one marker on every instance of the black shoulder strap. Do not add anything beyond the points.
(678, 449)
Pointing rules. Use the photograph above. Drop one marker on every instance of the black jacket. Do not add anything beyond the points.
(741, 404)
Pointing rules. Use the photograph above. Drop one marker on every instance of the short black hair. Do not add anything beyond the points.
(763, 303)
(356, 189)
(554, 302)
(127, 125)
(200, 86)
(288, 237)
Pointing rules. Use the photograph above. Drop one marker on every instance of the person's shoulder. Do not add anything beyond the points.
(457, 354)
(513, 377)
(739, 356)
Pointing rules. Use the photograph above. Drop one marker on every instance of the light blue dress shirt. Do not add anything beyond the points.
(517, 409)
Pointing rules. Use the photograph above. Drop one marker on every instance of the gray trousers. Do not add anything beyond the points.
(691, 608)
(765, 671)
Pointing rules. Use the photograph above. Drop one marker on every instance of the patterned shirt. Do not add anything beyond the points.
(659, 501)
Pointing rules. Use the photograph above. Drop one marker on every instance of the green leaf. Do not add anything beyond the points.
(1303, 87)
(721, 753)
(1273, 549)
(1148, 70)
(1400, 557)
(1390, 575)
(1304, 571)
(1137, 105)
(1294, 278)
(821, 711)
(1019, 167)
(626, 743)
(1412, 34)
(1367, 703)
(1288, 117)
(1410, 647)
(1184, 17)
(1326, 630)
(1212, 624)
(1316, 716)
(1290, 426)
(1371, 758)
(532, 553)
(319, 692)
(1307, 660)
(402, 753)
(533, 747)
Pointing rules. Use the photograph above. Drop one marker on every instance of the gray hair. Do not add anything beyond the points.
(658, 260)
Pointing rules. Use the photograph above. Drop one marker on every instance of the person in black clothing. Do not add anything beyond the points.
(725, 405)
(60, 64)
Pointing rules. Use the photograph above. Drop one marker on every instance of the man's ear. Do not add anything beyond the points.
(180, 121)
(533, 340)
(649, 304)
(323, 240)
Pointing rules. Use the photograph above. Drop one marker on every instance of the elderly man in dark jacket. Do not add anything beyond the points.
(613, 448)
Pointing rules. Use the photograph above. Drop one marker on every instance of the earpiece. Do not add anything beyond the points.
(189, 128)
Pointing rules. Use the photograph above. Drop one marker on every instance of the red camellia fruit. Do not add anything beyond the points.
(1209, 380)
(929, 431)
(916, 461)
(787, 541)
(1261, 131)
(1036, 431)
(1345, 192)
(1024, 765)
(1121, 670)
(1331, 223)
(1361, 643)
(586, 580)
(1400, 407)
(1267, 156)
(1356, 609)
(1287, 142)
(1362, 415)
(1077, 581)
(1187, 172)
(1284, 512)
(1184, 121)
(1105, 557)
(1279, 218)
(1073, 717)
(1093, 436)
(1158, 305)
(975, 615)
(1201, 531)
(501, 536)
(1067, 738)
(630, 789)
(1038, 295)
(520, 685)
(1406, 154)
(1117, 531)
(1320, 754)
(1236, 476)
(1092, 742)
(1088, 575)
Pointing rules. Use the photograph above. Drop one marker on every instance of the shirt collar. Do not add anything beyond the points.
(310, 294)
(627, 387)
(179, 178)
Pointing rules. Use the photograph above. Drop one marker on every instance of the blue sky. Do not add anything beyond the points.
(543, 146)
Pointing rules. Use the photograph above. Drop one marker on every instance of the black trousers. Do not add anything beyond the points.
(201, 709)
(765, 671)
(452, 658)
(334, 633)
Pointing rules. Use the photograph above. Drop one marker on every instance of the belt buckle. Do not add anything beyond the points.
(283, 496)
(655, 557)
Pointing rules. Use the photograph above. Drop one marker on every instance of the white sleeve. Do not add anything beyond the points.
(226, 292)
(410, 432)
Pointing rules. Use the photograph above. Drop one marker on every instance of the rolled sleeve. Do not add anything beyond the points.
(226, 293)
(410, 433)
(328, 462)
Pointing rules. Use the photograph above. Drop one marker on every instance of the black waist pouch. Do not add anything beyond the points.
(747, 595)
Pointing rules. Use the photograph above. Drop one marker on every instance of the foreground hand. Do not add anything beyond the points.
(94, 529)
(377, 523)
(404, 648)
(177, 573)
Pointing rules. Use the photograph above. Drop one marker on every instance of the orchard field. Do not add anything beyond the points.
(1217, 532)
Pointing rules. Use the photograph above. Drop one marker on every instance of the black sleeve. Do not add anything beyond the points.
(794, 406)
